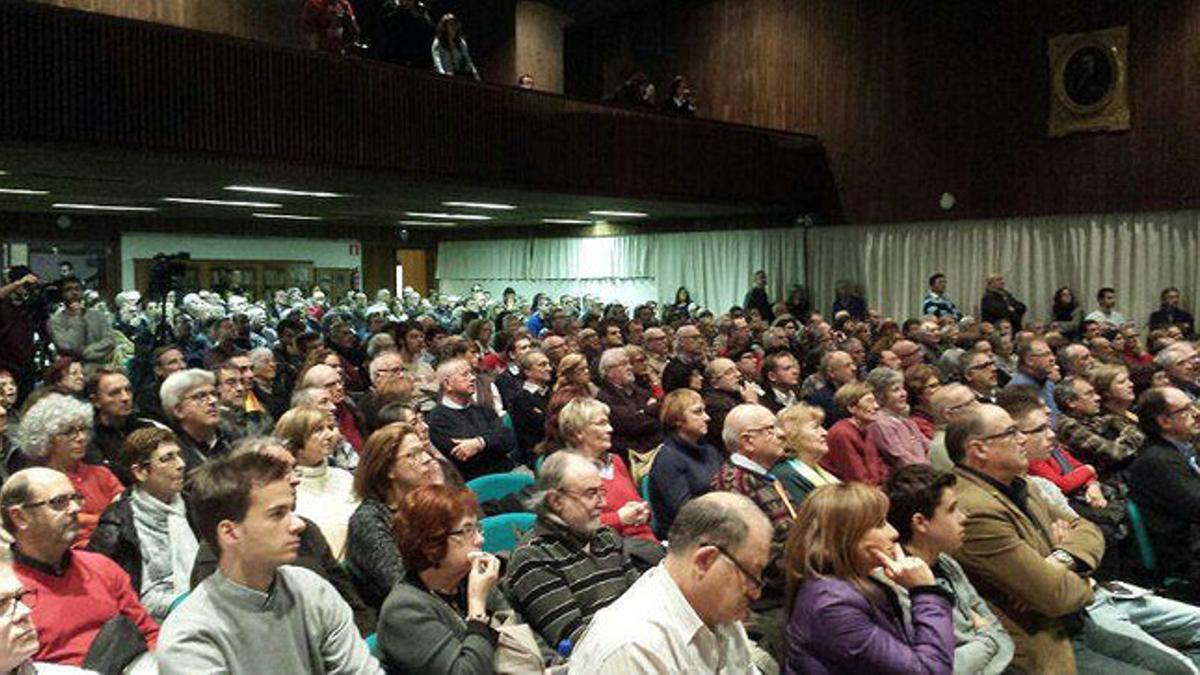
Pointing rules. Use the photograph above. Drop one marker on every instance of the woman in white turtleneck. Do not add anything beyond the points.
(325, 494)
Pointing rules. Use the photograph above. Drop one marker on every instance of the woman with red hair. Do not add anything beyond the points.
(437, 621)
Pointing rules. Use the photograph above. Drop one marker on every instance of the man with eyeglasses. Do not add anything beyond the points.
(837, 368)
(949, 402)
(190, 400)
(389, 382)
(349, 420)
(570, 565)
(726, 389)
(979, 373)
(685, 615)
(1037, 366)
(1082, 428)
(235, 420)
(18, 636)
(82, 602)
(1181, 363)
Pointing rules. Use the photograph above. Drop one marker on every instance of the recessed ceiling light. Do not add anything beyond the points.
(566, 221)
(101, 207)
(481, 205)
(447, 216)
(221, 202)
(620, 214)
(3, 173)
(21, 191)
(285, 216)
(280, 191)
(424, 223)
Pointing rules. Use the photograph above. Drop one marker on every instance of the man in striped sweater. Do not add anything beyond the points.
(569, 566)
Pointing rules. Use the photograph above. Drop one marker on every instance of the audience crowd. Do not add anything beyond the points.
(293, 485)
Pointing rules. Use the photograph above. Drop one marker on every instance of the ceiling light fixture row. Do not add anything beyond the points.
(222, 202)
(23, 191)
(285, 216)
(282, 191)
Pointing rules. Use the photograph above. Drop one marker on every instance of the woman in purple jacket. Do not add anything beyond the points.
(843, 565)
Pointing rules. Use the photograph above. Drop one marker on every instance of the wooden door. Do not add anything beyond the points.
(414, 268)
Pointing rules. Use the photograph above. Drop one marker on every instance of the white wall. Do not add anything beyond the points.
(322, 252)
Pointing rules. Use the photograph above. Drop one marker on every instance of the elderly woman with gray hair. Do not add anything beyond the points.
(54, 433)
(584, 428)
(894, 433)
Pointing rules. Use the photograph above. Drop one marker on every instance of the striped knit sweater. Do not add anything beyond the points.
(559, 579)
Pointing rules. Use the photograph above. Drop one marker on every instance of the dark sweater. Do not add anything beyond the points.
(446, 424)
(372, 557)
(680, 472)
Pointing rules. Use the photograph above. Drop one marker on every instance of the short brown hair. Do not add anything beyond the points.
(297, 424)
(848, 395)
(92, 387)
(674, 405)
(424, 522)
(142, 443)
(220, 489)
(371, 479)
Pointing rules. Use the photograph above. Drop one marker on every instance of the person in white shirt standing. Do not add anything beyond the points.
(685, 616)
(1106, 314)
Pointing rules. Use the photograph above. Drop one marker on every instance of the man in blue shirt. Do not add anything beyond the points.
(936, 303)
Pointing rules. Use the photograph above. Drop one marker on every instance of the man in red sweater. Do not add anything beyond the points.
(72, 594)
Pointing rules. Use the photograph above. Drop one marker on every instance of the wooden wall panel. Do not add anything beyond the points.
(266, 20)
(913, 99)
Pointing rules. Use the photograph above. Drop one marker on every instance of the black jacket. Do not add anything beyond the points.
(1165, 484)
(116, 537)
(528, 412)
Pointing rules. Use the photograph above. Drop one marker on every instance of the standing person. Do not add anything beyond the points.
(757, 298)
(257, 613)
(76, 330)
(679, 100)
(1169, 313)
(935, 303)
(1106, 313)
(845, 571)
(18, 323)
(998, 303)
(450, 53)
(685, 615)
(1066, 316)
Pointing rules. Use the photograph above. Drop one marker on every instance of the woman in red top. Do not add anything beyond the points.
(55, 432)
(852, 456)
(583, 426)
(921, 382)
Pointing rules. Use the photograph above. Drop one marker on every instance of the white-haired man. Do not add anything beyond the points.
(469, 434)
(189, 399)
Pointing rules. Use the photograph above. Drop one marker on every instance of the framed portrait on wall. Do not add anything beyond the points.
(1089, 82)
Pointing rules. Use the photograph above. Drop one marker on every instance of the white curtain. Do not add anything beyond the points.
(716, 267)
(1138, 254)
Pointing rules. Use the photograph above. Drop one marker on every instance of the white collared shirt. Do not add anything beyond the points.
(534, 388)
(784, 398)
(653, 629)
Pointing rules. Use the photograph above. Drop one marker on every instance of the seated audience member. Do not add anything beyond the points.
(1182, 365)
(1081, 428)
(19, 641)
(726, 389)
(1116, 391)
(509, 380)
(909, 353)
(689, 358)
(804, 442)
(632, 410)
(389, 382)
(1037, 366)
(54, 433)
(349, 420)
(978, 372)
(570, 565)
(780, 381)
(267, 387)
(65, 376)
(79, 594)
(1075, 360)
(923, 509)
(190, 401)
(894, 434)
(845, 575)
(920, 384)
(852, 455)
(684, 467)
(258, 612)
(752, 435)
(325, 494)
(469, 434)
(527, 407)
(679, 98)
(837, 368)
(438, 620)
(1165, 483)
(574, 380)
(393, 463)
(147, 531)
(236, 422)
(949, 402)
(112, 399)
(685, 615)
(165, 361)
(584, 427)
(1170, 313)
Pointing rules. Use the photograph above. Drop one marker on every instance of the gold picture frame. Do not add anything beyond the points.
(1089, 82)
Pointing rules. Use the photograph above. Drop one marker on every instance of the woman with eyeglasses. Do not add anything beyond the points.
(393, 463)
(844, 566)
(146, 531)
(921, 382)
(54, 433)
(438, 621)
(325, 494)
(584, 427)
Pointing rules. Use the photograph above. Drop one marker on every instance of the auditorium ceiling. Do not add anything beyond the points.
(183, 188)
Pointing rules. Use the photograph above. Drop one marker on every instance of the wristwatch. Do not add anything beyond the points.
(1063, 557)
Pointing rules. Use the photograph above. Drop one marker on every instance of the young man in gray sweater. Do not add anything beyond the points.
(256, 613)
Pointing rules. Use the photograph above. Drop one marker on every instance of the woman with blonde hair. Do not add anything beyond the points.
(574, 381)
(325, 494)
(845, 570)
(804, 440)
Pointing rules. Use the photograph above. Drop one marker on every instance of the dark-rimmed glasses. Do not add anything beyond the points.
(754, 579)
(58, 503)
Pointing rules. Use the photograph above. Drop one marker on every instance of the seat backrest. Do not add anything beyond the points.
(501, 533)
(497, 485)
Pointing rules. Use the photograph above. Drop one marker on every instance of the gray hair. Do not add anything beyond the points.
(526, 359)
(178, 385)
(256, 444)
(377, 361)
(260, 354)
(576, 415)
(379, 343)
(719, 519)
(608, 359)
(1172, 354)
(735, 424)
(51, 415)
(447, 367)
(552, 477)
(883, 378)
(1065, 392)
(305, 396)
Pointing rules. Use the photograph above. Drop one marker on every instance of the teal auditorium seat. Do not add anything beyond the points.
(497, 485)
(501, 533)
